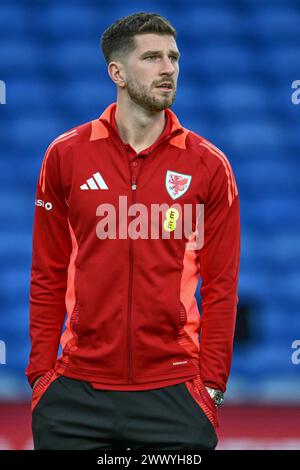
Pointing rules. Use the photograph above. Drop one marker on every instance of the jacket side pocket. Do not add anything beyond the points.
(41, 387)
(198, 391)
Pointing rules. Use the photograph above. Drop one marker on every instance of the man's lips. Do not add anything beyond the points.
(168, 88)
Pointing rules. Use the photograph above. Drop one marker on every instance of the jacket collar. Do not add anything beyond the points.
(101, 127)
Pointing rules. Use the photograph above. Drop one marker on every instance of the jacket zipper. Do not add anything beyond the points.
(133, 181)
(131, 260)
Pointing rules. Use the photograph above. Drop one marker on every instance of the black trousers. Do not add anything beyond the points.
(71, 414)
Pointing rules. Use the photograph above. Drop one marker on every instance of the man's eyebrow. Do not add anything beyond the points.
(176, 53)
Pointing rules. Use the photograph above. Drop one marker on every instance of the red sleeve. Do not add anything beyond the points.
(219, 268)
(51, 249)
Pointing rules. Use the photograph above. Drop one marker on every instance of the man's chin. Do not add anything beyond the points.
(161, 105)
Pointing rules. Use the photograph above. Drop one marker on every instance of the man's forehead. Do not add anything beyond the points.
(154, 41)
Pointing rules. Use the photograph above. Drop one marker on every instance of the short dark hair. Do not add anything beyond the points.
(117, 41)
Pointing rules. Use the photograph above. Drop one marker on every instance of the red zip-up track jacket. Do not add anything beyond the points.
(132, 319)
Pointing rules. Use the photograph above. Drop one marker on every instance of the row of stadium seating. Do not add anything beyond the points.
(239, 61)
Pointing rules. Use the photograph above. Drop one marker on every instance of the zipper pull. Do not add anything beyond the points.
(133, 182)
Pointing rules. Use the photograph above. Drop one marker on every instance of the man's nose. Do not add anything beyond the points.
(168, 66)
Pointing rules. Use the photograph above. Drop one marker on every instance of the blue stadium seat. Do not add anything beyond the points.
(254, 136)
(237, 98)
(12, 20)
(20, 57)
(208, 23)
(93, 95)
(283, 60)
(82, 20)
(75, 59)
(278, 23)
(279, 176)
(31, 96)
(37, 129)
(218, 62)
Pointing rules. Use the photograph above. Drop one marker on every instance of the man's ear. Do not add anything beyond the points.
(117, 73)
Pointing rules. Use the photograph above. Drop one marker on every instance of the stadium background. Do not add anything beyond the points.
(239, 60)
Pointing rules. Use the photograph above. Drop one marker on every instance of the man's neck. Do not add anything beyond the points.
(137, 128)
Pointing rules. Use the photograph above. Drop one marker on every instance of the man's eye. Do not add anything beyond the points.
(154, 57)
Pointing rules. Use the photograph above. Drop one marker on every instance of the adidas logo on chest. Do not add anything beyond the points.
(95, 182)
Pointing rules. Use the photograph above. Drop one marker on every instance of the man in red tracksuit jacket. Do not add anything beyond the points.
(139, 366)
